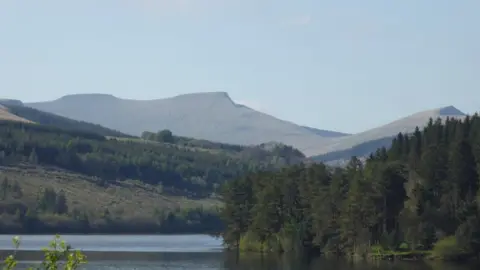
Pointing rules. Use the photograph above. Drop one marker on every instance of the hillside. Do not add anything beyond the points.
(16, 111)
(163, 183)
(126, 203)
(211, 116)
(193, 169)
(5, 114)
(43, 199)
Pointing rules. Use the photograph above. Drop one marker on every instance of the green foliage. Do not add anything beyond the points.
(58, 255)
(448, 249)
(399, 201)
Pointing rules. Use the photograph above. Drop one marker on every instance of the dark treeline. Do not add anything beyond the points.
(190, 171)
(50, 213)
(420, 195)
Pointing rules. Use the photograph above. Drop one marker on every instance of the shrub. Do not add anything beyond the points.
(448, 249)
(57, 254)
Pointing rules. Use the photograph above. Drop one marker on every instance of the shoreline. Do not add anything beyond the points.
(92, 256)
(105, 234)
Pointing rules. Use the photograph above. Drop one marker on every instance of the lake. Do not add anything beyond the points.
(186, 252)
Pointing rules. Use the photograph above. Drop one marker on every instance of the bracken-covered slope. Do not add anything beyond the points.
(212, 116)
(6, 115)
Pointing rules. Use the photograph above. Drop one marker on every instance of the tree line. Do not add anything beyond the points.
(421, 194)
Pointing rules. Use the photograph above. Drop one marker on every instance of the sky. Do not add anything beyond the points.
(337, 65)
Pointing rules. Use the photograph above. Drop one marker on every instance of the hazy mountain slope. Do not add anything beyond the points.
(359, 150)
(326, 133)
(5, 114)
(212, 116)
(368, 141)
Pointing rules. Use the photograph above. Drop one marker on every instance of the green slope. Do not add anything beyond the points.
(119, 184)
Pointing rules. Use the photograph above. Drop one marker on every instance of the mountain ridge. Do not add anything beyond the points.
(216, 117)
(205, 115)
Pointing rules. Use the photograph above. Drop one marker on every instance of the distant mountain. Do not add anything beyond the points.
(16, 111)
(215, 117)
(211, 116)
(364, 143)
(360, 150)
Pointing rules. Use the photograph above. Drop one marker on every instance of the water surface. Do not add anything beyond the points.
(187, 252)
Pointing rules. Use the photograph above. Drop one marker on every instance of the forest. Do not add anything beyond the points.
(420, 197)
(174, 174)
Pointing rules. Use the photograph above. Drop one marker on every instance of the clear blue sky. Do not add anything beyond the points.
(339, 65)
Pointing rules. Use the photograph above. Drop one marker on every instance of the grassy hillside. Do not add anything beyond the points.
(183, 169)
(132, 198)
(74, 181)
(43, 199)
(50, 119)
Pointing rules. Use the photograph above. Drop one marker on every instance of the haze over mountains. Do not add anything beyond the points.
(215, 116)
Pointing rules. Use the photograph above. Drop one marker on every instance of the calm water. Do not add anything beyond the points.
(188, 252)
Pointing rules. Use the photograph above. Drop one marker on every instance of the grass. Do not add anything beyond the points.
(82, 192)
(379, 253)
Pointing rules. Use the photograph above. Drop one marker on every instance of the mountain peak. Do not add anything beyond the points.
(217, 94)
(450, 111)
(88, 96)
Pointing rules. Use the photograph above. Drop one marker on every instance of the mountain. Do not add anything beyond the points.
(364, 143)
(214, 116)
(16, 111)
(211, 116)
